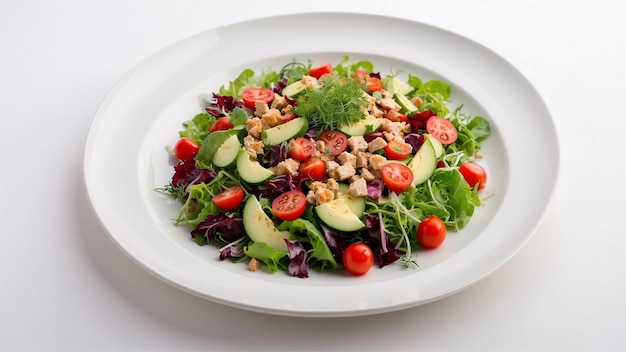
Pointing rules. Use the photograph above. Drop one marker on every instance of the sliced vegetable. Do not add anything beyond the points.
(397, 177)
(251, 95)
(441, 129)
(229, 199)
(474, 174)
(289, 205)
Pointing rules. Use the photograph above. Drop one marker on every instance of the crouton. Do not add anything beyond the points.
(377, 144)
(377, 162)
(253, 145)
(323, 195)
(347, 158)
(357, 144)
(287, 167)
(358, 188)
(260, 108)
(271, 118)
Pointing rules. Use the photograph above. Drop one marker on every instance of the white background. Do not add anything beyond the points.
(66, 286)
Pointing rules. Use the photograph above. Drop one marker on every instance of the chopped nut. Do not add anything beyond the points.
(253, 265)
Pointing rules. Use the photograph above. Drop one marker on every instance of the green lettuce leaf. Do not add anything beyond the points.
(266, 254)
(197, 128)
(306, 231)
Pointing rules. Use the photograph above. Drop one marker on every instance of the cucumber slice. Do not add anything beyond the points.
(406, 107)
(362, 127)
(356, 204)
(436, 145)
(226, 154)
(396, 85)
(250, 170)
(260, 228)
(338, 215)
(294, 89)
(423, 163)
(288, 130)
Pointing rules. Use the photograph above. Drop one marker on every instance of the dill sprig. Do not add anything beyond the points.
(337, 102)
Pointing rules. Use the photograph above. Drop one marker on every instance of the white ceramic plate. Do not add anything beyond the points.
(125, 160)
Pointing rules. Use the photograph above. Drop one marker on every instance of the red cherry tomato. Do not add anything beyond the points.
(319, 71)
(288, 117)
(431, 232)
(397, 177)
(185, 148)
(336, 141)
(474, 174)
(395, 150)
(289, 205)
(441, 129)
(358, 258)
(229, 199)
(372, 84)
(251, 95)
(361, 75)
(301, 148)
(221, 124)
(396, 116)
(314, 168)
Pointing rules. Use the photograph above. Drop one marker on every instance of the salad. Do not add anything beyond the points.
(327, 167)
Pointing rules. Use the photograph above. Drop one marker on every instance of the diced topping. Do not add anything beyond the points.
(358, 188)
(377, 144)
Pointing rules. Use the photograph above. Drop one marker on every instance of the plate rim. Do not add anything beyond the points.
(99, 115)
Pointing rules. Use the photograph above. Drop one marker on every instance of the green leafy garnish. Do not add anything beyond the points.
(196, 128)
(334, 104)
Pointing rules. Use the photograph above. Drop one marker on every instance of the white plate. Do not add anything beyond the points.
(125, 160)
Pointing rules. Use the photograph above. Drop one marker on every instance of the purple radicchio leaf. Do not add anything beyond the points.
(277, 154)
(278, 86)
(415, 140)
(188, 173)
(297, 260)
(232, 250)
(375, 188)
(384, 251)
(375, 75)
(418, 119)
(370, 137)
(221, 104)
(312, 132)
(230, 229)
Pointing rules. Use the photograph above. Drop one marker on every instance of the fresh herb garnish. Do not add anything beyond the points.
(337, 102)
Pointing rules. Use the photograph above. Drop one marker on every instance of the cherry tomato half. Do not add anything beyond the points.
(431, 232)
(251, 95)
(229, 199)
(319, 71)
(185, 148)
(221, 124)
(474, 174)
(396, 150)
(289, 205)
(301, 148)
(397, 177)
(314, 168)
(287, 117)
(336, 141)
(372, 84)
(358, 258)
(441, 129)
